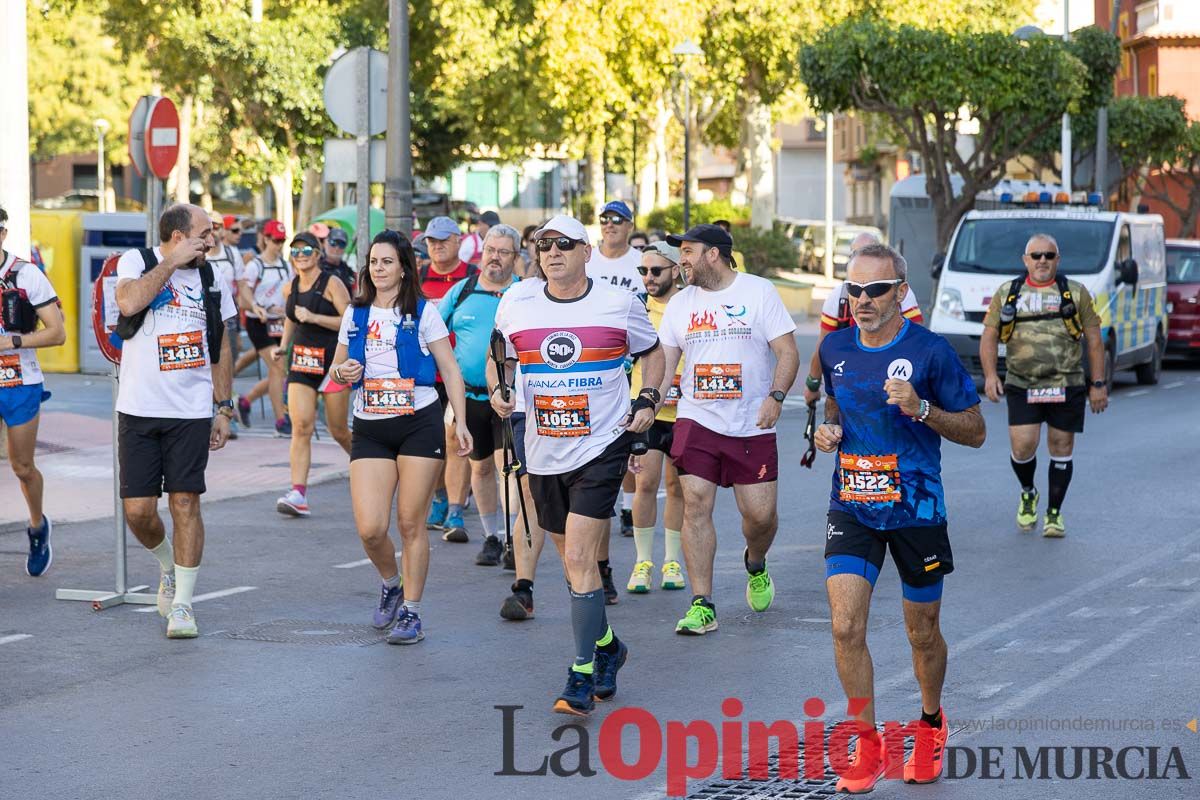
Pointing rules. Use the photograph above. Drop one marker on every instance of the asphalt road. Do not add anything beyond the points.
(1097, 629)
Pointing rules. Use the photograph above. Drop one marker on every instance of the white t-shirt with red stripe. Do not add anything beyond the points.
(831, 319)
(572, 356)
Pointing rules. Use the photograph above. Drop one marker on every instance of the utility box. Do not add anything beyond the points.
(57, 234)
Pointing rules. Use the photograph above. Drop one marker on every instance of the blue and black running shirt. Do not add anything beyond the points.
(889, 466)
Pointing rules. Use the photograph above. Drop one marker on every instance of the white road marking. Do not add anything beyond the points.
(16, 637)
(1138, 393)
(1057, 646)
(1173, 385)
(362, 562)
(1082, 665)
(1159, 583)
(208, 596)
(992, 690)
(1087, 612)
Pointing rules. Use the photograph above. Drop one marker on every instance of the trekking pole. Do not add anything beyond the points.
(511, 464)
(810, 430)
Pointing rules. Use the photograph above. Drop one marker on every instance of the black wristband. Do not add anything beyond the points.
(639, 403)
(654, 395)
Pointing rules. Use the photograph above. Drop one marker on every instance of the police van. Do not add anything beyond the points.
(1119, 257)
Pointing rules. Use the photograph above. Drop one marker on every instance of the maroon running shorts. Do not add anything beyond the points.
(724, 460)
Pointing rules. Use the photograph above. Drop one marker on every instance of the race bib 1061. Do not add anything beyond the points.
(563, 415)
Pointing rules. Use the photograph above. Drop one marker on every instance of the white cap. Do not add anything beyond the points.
(567, 226)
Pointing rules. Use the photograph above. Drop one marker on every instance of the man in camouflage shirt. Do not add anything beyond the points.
(1045, 378)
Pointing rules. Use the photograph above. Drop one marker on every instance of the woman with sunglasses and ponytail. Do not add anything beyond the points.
(391, 345)
(313, 306)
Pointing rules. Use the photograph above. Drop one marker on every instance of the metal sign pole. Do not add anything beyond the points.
(363, 232)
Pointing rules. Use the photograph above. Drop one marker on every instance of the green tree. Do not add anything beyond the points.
(926, 81)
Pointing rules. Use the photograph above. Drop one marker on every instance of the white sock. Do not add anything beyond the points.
(392, 582)
(643, 542)
(165, 555)
(627, 501)
(491, 522)
(671, 552)
(185, 585)
(414, 606)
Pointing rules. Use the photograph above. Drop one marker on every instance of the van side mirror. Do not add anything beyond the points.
(1127, 272)
(935, 268)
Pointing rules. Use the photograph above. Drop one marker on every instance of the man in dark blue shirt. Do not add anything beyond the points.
(894, 390)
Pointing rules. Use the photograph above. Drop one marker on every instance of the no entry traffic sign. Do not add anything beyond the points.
(162, 137)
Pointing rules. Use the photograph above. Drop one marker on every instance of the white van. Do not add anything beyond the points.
(1119, 257)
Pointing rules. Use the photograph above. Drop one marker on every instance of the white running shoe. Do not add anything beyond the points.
(181, 624)
(292, 504)
(166, 593)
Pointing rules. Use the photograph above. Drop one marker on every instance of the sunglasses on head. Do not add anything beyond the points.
(305, 251)
(1043, 255)
(564, 243)
(655, 271)
(872, 289)
(612, 219)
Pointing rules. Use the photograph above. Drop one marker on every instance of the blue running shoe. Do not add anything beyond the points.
(437, 513)
(578, 698)
(40, 552)
(606, 666)
(407, 629)
(456, 529)
(390, 600)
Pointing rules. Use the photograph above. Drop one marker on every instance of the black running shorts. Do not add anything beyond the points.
(159, 455)
(589, 491)
(421, 435)
(486, 427)
(921, 554)
(1065, 416)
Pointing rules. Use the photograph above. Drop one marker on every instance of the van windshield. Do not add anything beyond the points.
(996, 245)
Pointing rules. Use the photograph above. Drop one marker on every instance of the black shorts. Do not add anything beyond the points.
(259, 333)
(310, 377)
(660, 435)
(486, 427)
(922, 554)
(1066, 416)
(421, 435)
(589, 491)
(159, 455)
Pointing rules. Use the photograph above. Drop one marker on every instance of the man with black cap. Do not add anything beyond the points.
(471, 248)
(614, 262)
(726, 325)
(333, 261)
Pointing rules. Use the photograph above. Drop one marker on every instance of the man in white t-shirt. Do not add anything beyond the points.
(470, 247)
(571, 340)
(614, 262)
(29, 300)
(740, 360)
(169, 379)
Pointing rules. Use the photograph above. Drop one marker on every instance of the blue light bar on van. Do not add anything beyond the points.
(1045, 197)
(1094, 199)
(1006, 197)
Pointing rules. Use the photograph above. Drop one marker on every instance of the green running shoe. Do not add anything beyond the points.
(1053, 527)
(760, 589)
(699, 620)
(1027, 511)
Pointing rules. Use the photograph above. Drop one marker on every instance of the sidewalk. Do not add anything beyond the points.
(75, 456)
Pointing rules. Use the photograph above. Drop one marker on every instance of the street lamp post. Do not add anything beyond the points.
(681, 52)
(102, 126)
(1026, 32)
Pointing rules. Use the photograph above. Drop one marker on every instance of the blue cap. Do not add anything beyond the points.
(618, 207)
(441, 228)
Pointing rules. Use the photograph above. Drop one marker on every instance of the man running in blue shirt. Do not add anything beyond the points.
(894, 391)
(469, 311)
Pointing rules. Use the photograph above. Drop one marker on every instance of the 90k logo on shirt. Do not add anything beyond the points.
(561, 349)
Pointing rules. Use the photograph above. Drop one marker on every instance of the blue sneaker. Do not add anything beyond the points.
(456, 529)
(40, 552)
(407, 629)
(578, 698)
(390, 600)
(437, 513)
(606, 666)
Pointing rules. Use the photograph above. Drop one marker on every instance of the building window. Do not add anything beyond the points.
(1123, 34)
(1152, 81)
(814, 131)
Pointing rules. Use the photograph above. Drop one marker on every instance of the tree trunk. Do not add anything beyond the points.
(595, 172)
(662, 157)
(310, 193)
(206, 191)
(740, 194)
(762, 165)
(648, 177)
(694, 156)
(179, 181)
(282, 185)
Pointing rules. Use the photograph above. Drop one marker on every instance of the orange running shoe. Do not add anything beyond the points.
(925, 763)
(870, 756)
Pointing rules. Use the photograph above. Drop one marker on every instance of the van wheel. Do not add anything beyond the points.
(1149, 373)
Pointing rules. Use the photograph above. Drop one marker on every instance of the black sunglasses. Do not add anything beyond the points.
(655, 271)
(612, 219)
(872, 289)
(564, 244)
(235, 230)
(1043, 255)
